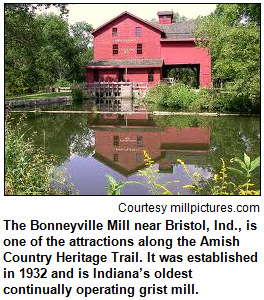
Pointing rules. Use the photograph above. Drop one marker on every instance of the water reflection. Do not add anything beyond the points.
(100, 142)
(121, 139)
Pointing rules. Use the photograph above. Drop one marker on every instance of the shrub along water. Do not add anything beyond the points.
(78, 93)
(176, 95)
(30, 171)
(182, 97)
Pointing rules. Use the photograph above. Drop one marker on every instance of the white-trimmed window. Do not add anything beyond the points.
(138, 31)
(114, 31)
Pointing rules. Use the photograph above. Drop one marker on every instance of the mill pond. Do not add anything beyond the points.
(95, 144)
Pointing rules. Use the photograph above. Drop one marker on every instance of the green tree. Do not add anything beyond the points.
(234, 43)
(42, 49)
(177, 17)
(32, 8)
(53, 63)
(81, 33)
(23, 42)
(153, 21)
(235, 13)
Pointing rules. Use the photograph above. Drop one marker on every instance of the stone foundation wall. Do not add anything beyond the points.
(36, 102)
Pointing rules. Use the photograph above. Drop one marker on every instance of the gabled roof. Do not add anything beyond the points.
(131, 15)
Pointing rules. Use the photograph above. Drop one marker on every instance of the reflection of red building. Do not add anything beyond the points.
(121, 146)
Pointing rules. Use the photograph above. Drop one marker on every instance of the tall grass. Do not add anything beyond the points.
(28, 170)
(219, 184)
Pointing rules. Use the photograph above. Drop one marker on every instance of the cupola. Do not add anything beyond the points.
(165, 17)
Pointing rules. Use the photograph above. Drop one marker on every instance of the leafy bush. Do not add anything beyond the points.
(176, 95)
(61, 83)
(180, 96)
(215, 101)
(158, 94)
(78, 94)
(203, 102)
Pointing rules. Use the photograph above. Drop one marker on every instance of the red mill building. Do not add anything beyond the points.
(130, 49)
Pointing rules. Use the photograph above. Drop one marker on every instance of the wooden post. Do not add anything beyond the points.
(197, 77)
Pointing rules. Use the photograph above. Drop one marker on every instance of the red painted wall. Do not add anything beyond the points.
(133, 75)
(141, 75)
(185, 53)
(126, 40)
(108, 75)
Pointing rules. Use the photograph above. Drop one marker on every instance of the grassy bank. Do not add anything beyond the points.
(28, 170)
(39, 96)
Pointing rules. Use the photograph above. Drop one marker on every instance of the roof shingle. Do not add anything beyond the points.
(179, 30)
(126, 62)
(165, 13)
